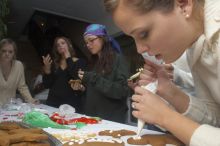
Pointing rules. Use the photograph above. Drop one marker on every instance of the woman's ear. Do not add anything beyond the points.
(186, 7)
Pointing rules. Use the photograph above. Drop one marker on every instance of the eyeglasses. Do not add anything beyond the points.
(90, 41)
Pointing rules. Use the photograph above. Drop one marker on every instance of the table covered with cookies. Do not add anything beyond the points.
(79, 130)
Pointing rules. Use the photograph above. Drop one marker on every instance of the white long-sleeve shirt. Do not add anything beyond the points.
(182, 76)
(204, 61)
(206, 135)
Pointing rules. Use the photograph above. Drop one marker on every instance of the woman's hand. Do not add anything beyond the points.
(166, 89)
(81, 74)
(153, 109)
(66, 53)
(170, 70)
(152, 72)
(47, 63)
(132, 84)
(146, 106)
(35, 101)
(77, 86)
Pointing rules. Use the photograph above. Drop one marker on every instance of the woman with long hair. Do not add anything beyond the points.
(106, 81)
(59, 72)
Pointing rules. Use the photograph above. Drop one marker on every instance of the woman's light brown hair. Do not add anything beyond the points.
(57, 56)
(7, 41)
(144, 6)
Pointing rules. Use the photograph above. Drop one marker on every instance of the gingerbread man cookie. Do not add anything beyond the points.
(155, 140)
(117, 133)
(95, 142)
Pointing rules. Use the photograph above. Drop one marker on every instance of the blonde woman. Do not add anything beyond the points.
(12, 74)
(165, 29)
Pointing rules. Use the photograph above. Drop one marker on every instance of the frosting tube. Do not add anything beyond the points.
(151, 87)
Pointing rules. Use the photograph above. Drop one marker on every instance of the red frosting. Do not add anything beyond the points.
(61, 120)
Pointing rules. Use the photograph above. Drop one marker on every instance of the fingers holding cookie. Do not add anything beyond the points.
(76, 84)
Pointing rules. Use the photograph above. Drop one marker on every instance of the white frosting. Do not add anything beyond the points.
(136, 137)
(81, 141)
(70, 135)
(152, 58)
(118, 140)
(71, 143)
(104, 140)
(76, 140)
(100, 140)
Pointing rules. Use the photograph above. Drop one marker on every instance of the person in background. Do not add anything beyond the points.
(39, 90)
(59, 72)
(165, 29)
(12, 74)
(106, 81)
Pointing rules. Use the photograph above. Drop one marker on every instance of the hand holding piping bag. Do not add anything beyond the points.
(152, 86)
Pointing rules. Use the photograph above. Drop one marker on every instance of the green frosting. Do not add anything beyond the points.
(38, 119)
(80, 125)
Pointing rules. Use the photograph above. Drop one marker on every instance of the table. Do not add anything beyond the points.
(94, 128)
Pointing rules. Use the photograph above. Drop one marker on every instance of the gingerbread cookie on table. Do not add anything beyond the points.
(155, 140)
(13, 134)
(31, 144)
(30, 130)
(95, 142)
(9, 126)
(117, 133)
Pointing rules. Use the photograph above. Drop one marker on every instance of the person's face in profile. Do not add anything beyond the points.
(164, 35)
(7, 52)
(93, 43)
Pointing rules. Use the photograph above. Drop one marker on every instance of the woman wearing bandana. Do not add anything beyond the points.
(106, 82)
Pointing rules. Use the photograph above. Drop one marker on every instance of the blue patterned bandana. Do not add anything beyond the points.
(96, 29)
(100, 30)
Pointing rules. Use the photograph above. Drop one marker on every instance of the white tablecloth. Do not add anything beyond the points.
(94, 128)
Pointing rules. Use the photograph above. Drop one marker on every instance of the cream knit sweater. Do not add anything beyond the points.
(16, 80)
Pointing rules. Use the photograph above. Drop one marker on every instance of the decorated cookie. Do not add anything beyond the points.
(95, 142)
(73, 135)
(117, 133)
(155, 140)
